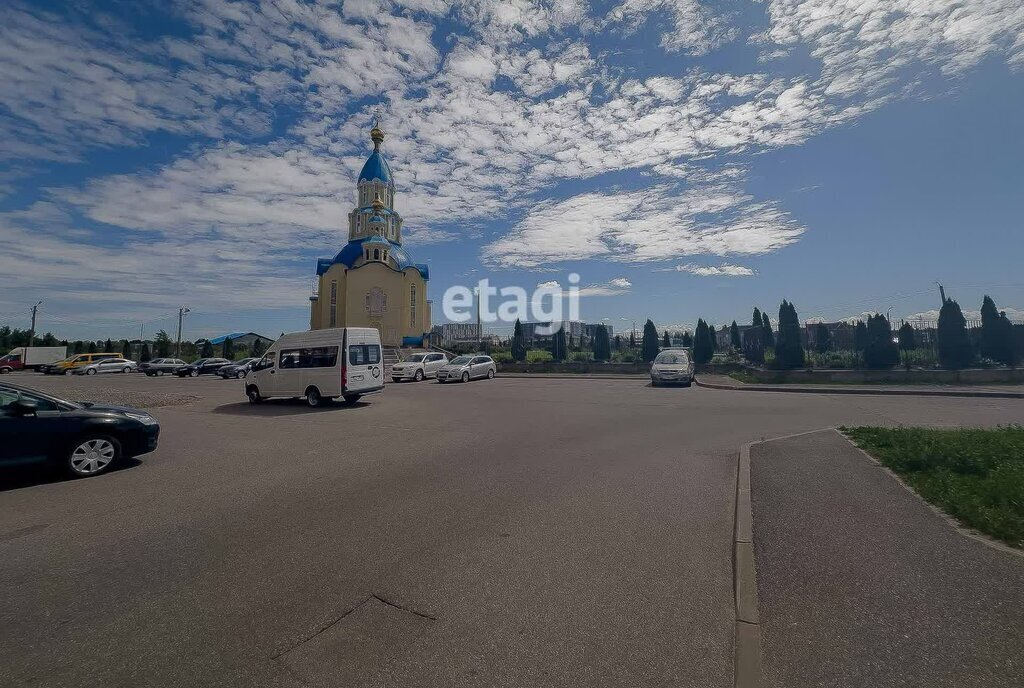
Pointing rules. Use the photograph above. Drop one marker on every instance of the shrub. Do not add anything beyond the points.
(502, 357)
(518, 343)
(880, 351)
(581, 356)
(538, 356)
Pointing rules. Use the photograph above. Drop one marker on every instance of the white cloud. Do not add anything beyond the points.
(613, 287)
(652, 225)
(724, 270)
(696, 30)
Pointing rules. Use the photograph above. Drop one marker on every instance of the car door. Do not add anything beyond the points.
(27, 439)
(110, 365)
(477, 367)
(430, 364)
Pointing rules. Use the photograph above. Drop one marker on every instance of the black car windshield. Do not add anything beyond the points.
(416, 358)
(461, 360)
(32, 395)
(670, 358)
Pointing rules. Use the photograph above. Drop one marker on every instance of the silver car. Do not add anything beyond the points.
(672, 366)
(418, 366)
(110, 365)
(466, 368)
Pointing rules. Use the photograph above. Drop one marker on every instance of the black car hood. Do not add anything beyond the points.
(107, 408)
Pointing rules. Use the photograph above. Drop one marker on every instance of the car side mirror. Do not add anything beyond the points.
(23, 407)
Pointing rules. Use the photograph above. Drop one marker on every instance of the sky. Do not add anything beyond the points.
(686, 158)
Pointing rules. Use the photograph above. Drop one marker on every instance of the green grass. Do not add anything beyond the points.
(975, 475)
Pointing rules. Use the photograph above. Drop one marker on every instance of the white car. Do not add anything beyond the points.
(466, 368)
(418, 366)
(672, 366)
(109, 365)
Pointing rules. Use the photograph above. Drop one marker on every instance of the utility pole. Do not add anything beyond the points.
(942, 294)
(32, 331)
(181, 313)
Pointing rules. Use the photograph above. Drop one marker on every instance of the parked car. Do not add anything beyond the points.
(159, 366)
(320, 364)
(83, 439)
(418, 366)
(67, 366)
(204, 366)
(238, 369)
(466, 368)
(672, 366)
(109, 365)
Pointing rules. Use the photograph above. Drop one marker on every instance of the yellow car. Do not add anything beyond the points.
(71, 362)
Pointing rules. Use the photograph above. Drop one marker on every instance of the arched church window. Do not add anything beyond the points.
(376, 254)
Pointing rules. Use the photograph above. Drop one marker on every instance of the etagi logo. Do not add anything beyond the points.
(544, 305)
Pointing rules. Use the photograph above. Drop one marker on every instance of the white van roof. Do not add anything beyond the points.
(331, 335)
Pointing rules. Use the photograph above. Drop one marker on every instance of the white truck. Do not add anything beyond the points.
(31, 358)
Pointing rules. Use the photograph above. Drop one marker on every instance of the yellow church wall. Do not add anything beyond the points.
(394, 321)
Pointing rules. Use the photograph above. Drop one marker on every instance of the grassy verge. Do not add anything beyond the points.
(975, 475)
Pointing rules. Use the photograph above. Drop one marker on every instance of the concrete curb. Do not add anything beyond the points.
(747, 648)
(825, 389)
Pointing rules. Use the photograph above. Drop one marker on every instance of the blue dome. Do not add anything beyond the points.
(376, 167)
(354, 249)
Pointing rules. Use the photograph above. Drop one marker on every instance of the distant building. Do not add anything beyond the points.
(453, 333)
(590, 330)
(246, 339)
(534, 332)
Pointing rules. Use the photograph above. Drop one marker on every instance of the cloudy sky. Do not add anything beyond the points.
(687, 158)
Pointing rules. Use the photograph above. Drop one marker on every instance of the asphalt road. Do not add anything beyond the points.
(511, 532)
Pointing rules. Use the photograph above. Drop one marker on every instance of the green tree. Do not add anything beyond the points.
(126, 349)
(954, 342)
(734, 336)
(162, 344)
(649, 345)
(687, 339)
(207, 349)
(92, 348)
(880, 351)
(753, 345)
(602, 347)
(5, 338)
(518, 343)
(702, 348)
(618, 342)
(789, 350)
(257, 347)
(78, 346)
(145, 355)
(227, 349)
(108, 347)
(665, 341)
(713, 338)
(822, 338)
(766, 333)
(632, 339)
(907, 337)
(860, 336)
(996, 333)
(558, 345)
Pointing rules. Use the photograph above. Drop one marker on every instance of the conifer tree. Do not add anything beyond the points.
(665, 341)
(649, 345)
(558, 345)
(518, 343)
(954, 343)
(789, 350)
(822, 338)
(767, 334)
(687, 339)
(880, 351)
(228, 349)
(144, 356)
(207, 351)
(907, 337)
(734, 336)
(702, 349)
(602, 347)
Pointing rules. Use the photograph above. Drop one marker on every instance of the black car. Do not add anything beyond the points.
(238, 369)
(159, 366)
(83, 439)
(204, 366)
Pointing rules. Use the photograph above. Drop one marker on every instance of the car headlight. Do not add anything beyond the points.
(143, 418)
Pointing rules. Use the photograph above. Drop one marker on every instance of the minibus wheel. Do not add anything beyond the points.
(312, 397)
(351, 398)
(253, 393)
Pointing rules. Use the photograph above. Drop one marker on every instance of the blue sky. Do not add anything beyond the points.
(688, 159)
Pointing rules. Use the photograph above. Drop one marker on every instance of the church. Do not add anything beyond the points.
(372, 281)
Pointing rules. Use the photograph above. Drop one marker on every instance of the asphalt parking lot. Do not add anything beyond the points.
(511, 532)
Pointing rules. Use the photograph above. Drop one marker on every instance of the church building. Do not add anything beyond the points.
(372, 281)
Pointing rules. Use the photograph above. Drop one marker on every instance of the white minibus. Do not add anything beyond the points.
(342, 362)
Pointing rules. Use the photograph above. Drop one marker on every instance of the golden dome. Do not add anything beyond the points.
(376, 134)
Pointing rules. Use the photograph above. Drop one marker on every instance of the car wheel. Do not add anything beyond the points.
(91, 371)
(253, 393)
(194, 373)
(419, 376)
(490, 374)
(68, 371)
(654, 383)
(159, 373)
(93, 455)
(313, 397)
(465, 377)
(240, 374)
(126, 369)
(352, 398)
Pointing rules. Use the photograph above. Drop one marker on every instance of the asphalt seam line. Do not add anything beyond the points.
(747, 630)
(950, 520)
